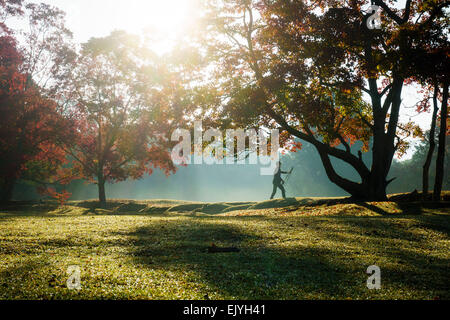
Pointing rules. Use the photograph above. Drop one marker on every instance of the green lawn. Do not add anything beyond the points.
(289, 250)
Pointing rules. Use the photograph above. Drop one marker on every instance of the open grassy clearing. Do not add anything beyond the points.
(293, 249)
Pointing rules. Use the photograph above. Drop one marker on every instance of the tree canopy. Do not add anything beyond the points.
(104, 110)
(296, 66)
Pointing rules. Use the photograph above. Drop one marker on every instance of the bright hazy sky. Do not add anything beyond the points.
(162, 19)
(165, 20)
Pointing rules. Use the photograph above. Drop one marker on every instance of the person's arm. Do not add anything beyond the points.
(287, 172)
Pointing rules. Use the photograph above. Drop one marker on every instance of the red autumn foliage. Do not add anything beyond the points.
(30, 125)
(121, 112)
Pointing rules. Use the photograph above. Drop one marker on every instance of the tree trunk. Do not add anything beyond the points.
(441, 150)
(374, 182)
(375, 188)
(426, 166)
(7, 190)
(375, 185)
(101, 191)
(101, 194)
(372, 188)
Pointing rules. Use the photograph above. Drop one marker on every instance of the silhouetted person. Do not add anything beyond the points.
(278, 182)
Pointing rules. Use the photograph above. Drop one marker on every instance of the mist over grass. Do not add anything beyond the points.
(225, 183)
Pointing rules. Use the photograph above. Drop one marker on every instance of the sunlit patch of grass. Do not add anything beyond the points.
(286, 253)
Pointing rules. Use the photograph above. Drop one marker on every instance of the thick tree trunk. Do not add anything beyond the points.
(7, 189)
(101, 185)
(372, 188)
(426, 166)
(383, 141)
(375, 188)
(101, 193)
(441, 149)
(374, 182)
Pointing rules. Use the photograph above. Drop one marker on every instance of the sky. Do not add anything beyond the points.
(165, 21)
(162, 19)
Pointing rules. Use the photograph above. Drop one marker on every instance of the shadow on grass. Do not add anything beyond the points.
(405, 249)
(18, 279)
(331, 264)
(280, 258)
(373, 208)
(260, 270)
(406, 208)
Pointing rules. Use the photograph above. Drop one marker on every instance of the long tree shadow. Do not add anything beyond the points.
(373, 208)
(259, 271)
(17, 279)
(405, 208)
(405, 249)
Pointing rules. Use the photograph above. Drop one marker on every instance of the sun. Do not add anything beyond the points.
(162, 20)
(165, 16)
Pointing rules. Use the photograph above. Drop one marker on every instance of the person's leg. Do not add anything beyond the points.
(283, 191)
(274, 191)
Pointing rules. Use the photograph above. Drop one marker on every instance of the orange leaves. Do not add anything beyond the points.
(347, 91)
(124, 108)
(30, 127)
(61, 197)
(296, 146)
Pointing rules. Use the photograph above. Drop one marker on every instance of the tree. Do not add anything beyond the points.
(9, 8)
(47, 46)
(441, 149)
(424, 105)
(410, 172)
(432, 144)
(430, 61)
(304, 67)
(123, 100)
(29, 126)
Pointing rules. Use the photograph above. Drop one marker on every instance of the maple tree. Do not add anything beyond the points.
(124, 100)
(305, 66)
(30, 124)
(47, 45)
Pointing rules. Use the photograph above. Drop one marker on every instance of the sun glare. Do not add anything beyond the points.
(167, 18)
(163, 21)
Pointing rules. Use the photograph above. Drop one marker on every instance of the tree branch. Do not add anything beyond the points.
(391, 14)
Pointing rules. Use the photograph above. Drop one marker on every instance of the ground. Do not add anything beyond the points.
(289, 249)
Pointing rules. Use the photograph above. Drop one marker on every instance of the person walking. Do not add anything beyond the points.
(278, 181)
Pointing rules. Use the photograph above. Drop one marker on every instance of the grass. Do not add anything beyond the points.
(293, 249)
